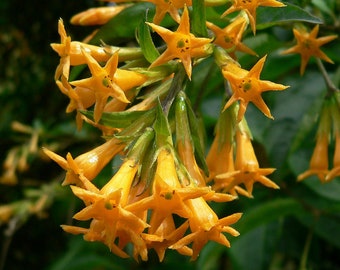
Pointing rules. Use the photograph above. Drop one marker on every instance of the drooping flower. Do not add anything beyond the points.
(86, 166)
(161, 238)
(250, 7)
(246, 163)
(308, 45)
(247, 86)
(318, 164)
(168, 196)
(181, 44)
(206, 226)
(107, 206)
(230, 37)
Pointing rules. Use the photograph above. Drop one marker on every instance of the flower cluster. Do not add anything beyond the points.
(159, 196)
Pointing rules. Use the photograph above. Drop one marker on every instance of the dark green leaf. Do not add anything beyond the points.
(145, 42)
(198, 19)
(267, 16)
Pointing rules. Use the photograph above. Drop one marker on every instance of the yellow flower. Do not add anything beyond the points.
(205, 226)
(247, 165)
(165, 235)
(336, 160)
(319, 162)
(86, 167)
(163, 7)
(230, 37)
(97, 16)
(168, 196)
(107, 206)
(181, 43)
(105, 84)
(247, 87)
(63, 50)
(250, 6)
(308, 45)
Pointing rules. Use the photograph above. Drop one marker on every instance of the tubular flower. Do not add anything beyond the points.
(230, 37)
(206, 226)
(250, 6)
(308, 45)
(107, 207)
(166, 235)
(247, 87)
(88, 165)
(247, 165)
(336, 160)
(319, 162)
(105, 84)
(97, 16)
(181, 43)
(168, 196)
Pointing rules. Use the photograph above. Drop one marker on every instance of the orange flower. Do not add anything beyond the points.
(308, 45)
(168, 196)
(250, 6)
(107, 206)
(230, 37)
(181, 43)
(165, 235)
(63, 50)
(336, 160)
(206, 226)
(86, 166)
(163, 7)
(247, 165)
(97, 16)
(247, 87)
(105, 84)
(319, 162)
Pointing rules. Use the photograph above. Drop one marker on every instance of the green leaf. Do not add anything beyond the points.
(122, 27)
(267, 212)
(198, 19)
(145, 41)
(122, 119)
(267, 16)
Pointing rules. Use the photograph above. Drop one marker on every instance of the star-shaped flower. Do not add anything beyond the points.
(308, 45)
(168, 195)
(168, 6)
(230, 37)
(250, 6)
(247, 87)
(181, 43)
(105, 84)
(206, 226)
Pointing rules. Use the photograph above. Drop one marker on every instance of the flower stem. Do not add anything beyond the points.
(330, 85)
(303, 262)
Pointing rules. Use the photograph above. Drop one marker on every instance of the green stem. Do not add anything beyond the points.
(303, 262)
(330, 85)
